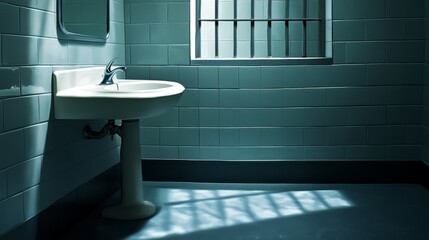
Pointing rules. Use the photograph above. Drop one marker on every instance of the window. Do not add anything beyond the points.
(254, 32)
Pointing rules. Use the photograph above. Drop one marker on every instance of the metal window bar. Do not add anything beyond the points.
(198, 29)
(217, 28)
(269, 29)
(235, 40)
(304, 29)
(252, 28)
(287, 28)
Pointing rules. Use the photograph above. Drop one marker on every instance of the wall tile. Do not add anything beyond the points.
(137, 33)
(148, 12)
(149, 54)
(366, 52)
(12, 148)
(135, 72)
(339, 52)
(47, 5)
(229, 137)
(12, 213)
(77, 53)
(400, 9)
(403, 115)
(314, 136)
(272, 98)
(117, 33)
(168, 119)
(229, 98)
(386, 74)
(178, 55)
(1, 116)
(208, 77)
(339, 9)
(272, 77)
(25, 3)
(407, 153)
(249, 77)
(46, 112)
(228, 77)
(164, 73)
(348, 30)
(209, 117)
(179, 136)
(189, 152)
(24, 175)
(366, 152)
(19, 50)
(10, 82)
(188, 77)
(346, 136)
(414, 135)
(208, 97)
(250, 136)
(51, 51)
(412, 52)
(274, 137)
(386, 135)
(347, 96)
(366, 115)
(414, 29)
(178, 12)
(209, 137)
(20, 112)
(38, 139)
(325, 152)
(188, 117)
(174, 33)
(37, 23)
(386, 95)
(190, 98)
(118, 14)
(304, 97)
(9, 19)
(365, 9)
(36, 80)
(149, 136)
(3, 187)
(385, 29)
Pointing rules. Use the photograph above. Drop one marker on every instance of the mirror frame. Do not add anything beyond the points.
(64, 34)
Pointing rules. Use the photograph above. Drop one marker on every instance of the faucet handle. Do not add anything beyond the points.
(109, 65)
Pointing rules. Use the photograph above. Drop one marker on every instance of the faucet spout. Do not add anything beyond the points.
(109, 73)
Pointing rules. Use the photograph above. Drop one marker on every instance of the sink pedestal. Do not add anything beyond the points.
(132, 205)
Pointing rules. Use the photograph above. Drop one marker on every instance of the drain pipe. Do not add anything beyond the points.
(110, 128)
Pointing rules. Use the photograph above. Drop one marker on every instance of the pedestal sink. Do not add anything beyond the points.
(78, 95)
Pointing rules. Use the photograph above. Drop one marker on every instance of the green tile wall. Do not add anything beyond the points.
(43, 159)
(365, 106)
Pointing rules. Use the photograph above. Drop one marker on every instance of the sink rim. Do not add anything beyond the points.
(100, 91)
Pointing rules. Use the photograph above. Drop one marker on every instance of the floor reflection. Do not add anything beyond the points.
(187, 211)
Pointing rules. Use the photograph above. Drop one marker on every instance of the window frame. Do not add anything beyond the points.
(194, 44)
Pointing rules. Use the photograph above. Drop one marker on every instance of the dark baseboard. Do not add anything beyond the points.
(63, 215)
(415, 172)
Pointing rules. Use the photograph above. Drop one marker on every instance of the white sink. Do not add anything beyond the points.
(78, 95)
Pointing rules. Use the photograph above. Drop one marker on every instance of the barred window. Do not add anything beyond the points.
(261, 31)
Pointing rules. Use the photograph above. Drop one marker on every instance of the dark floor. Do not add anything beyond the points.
(271, 211)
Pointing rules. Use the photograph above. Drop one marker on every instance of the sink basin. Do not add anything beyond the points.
(78, 95)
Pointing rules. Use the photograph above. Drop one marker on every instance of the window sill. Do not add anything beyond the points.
(261, 61)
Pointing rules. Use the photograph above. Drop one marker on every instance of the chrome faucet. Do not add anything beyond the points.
(109, 73)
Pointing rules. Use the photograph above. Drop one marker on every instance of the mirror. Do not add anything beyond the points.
(85, 20)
